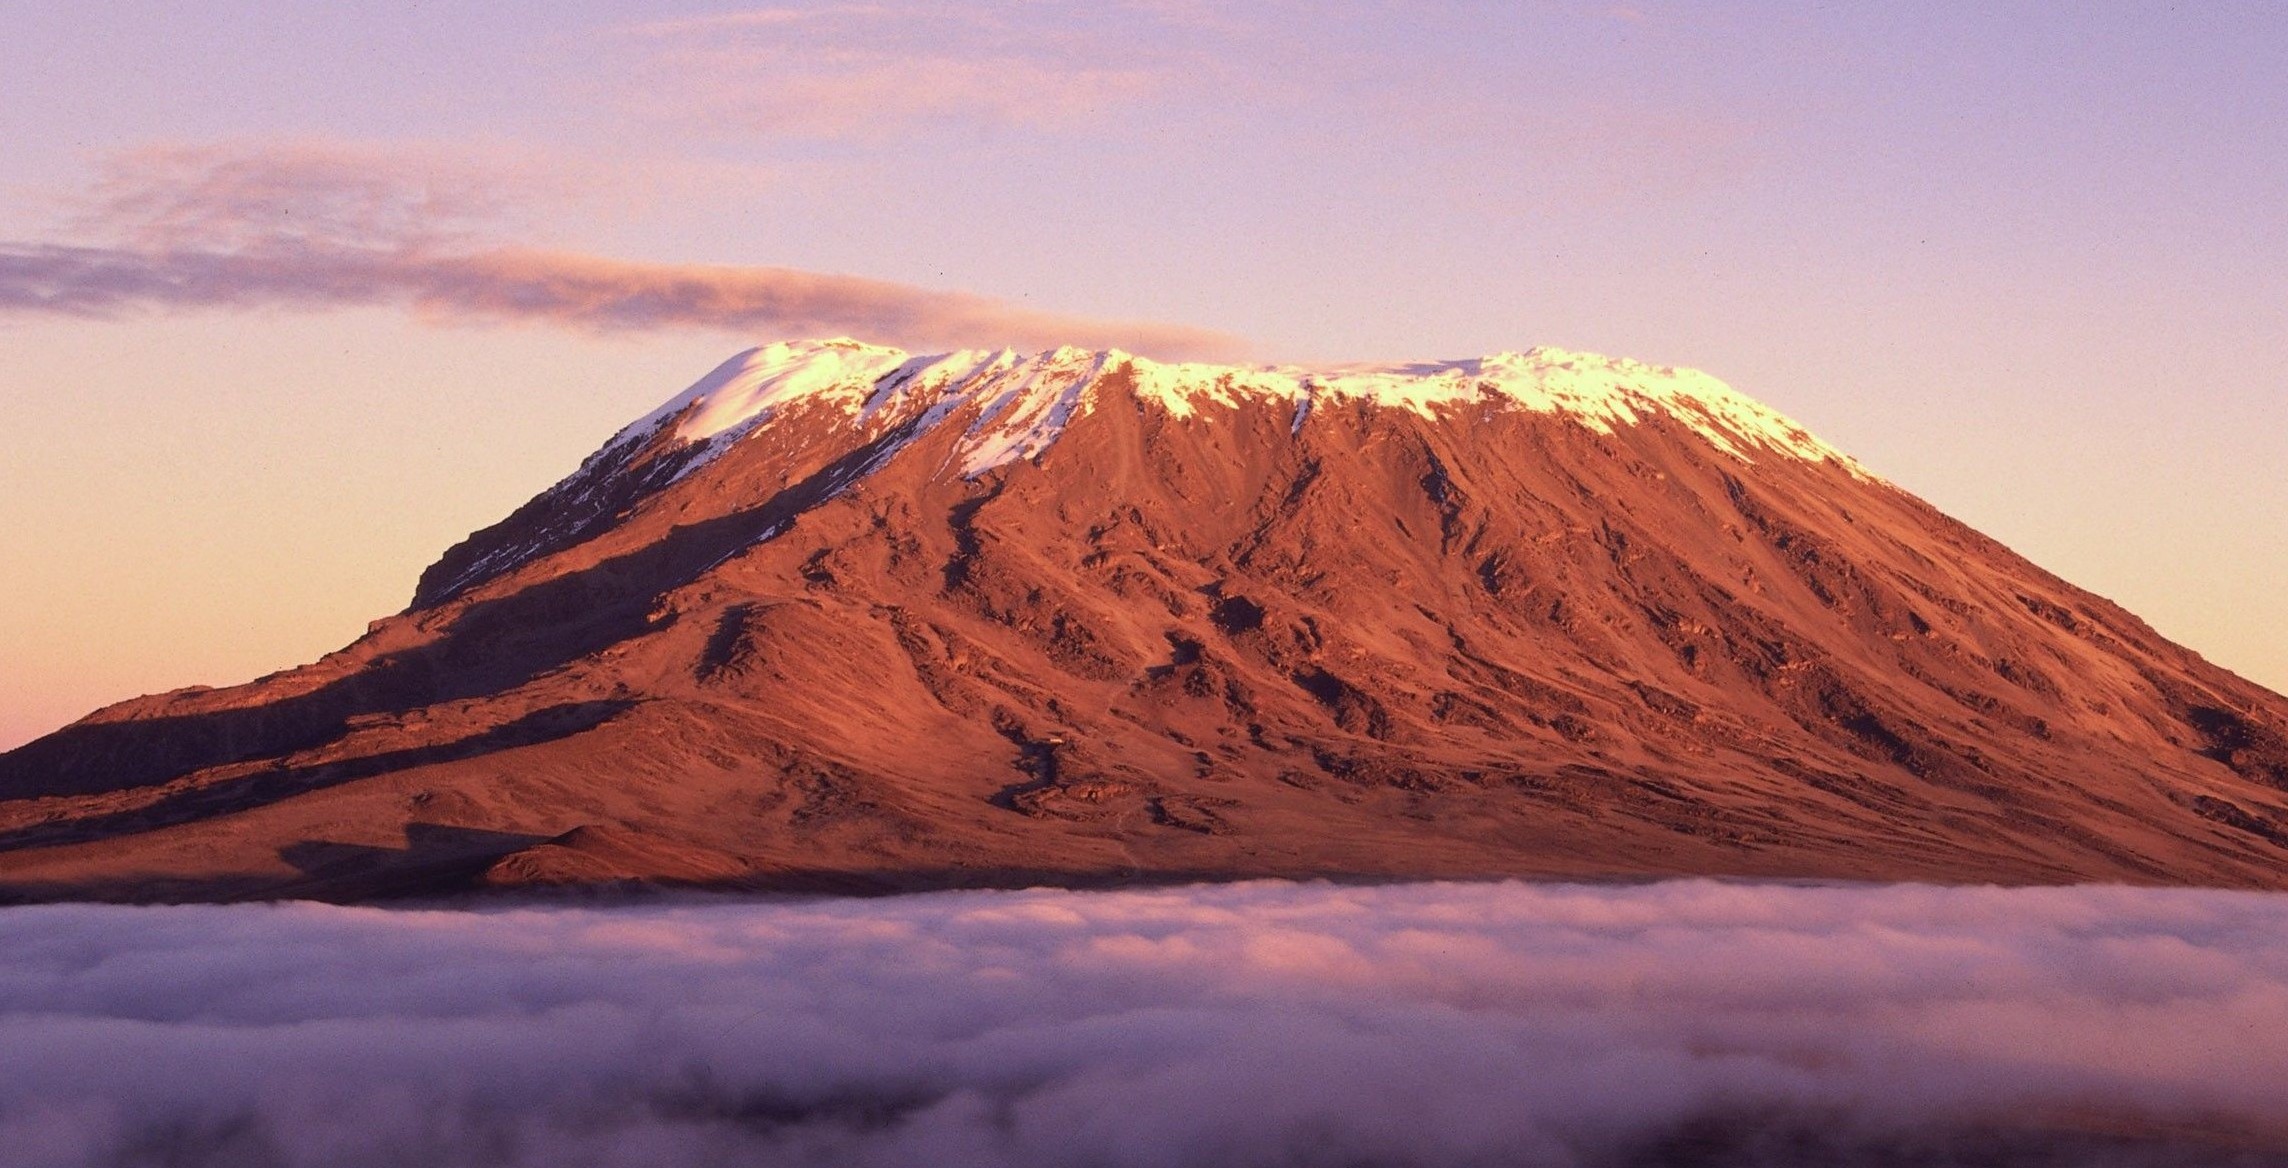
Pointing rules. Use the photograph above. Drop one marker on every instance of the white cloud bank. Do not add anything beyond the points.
(1688, 1023)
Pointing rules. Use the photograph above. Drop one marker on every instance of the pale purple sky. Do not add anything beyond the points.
(293, 296)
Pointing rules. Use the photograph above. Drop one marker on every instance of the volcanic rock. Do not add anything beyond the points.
(841, 617)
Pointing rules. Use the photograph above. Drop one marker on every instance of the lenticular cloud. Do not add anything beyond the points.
(1688, 1023)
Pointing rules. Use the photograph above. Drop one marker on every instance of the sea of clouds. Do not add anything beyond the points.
(1687, 1023)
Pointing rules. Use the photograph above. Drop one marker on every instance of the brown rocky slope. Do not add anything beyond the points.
(842, 619)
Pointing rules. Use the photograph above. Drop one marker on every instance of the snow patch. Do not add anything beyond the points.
(752, 384)
(1599, 393)
(1032, 403)
(746, 391)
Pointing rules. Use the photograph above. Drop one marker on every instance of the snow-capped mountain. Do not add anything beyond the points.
(843, 616)
(1018, 405)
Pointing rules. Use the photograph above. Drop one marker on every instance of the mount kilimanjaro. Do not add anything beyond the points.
(839, 617)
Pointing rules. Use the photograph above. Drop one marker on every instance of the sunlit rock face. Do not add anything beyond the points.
(840, 616)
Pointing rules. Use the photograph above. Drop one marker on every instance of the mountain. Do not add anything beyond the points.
(838, 617)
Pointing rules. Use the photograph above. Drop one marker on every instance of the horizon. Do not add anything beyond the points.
(289, 316)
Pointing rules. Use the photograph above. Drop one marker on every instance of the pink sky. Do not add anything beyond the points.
(292, 298)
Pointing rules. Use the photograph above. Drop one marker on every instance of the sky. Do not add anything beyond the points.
(292, 297)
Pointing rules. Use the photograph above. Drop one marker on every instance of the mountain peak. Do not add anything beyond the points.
(1005, 406)
(1024, 400)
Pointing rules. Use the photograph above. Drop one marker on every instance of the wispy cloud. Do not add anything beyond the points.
(237, 196)
(1359, 85)
(314, 227)
(587, 292)
(883, 71)
(1546, 1026)
(1514, 155)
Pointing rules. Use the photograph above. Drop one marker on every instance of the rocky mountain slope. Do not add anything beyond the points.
(841, 617)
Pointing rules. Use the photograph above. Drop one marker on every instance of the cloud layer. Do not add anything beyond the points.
(1685, 1023)
(561, 288)
(326, 226)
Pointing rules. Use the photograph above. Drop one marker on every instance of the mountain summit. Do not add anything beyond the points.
(843, 617)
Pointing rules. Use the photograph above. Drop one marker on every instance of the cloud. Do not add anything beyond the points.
(580, 291)
(885, 71)
(319, 227)
(1359, 94)
(235, 196)
(1691, 1022)
(1524, 151)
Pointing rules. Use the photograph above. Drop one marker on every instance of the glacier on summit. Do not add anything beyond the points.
(1025, 400)
(1017, 405)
